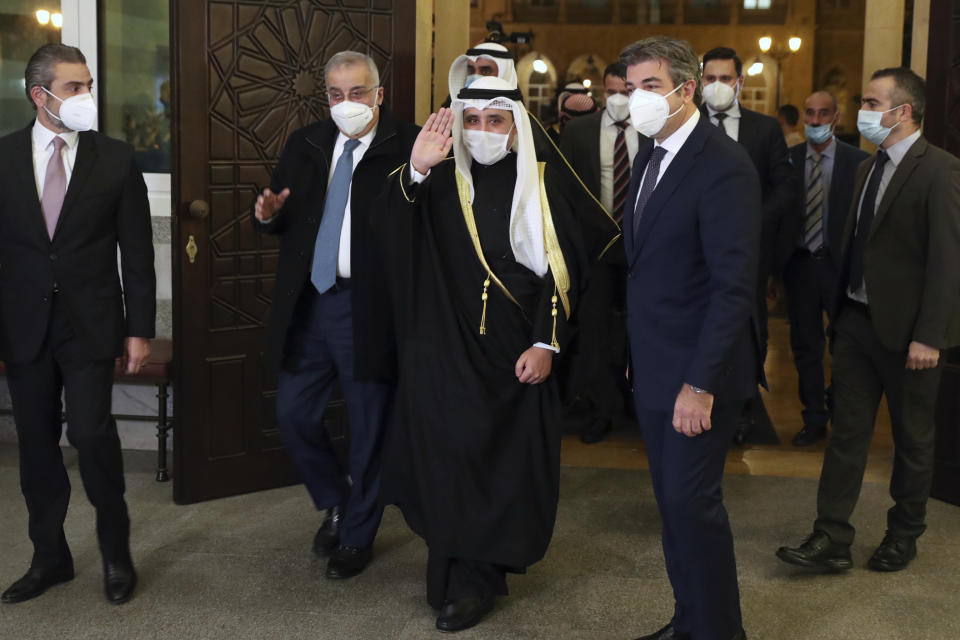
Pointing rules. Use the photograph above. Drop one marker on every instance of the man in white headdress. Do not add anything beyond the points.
(484, 60)
(487, 276)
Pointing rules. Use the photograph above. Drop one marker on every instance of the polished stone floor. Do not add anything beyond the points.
(241, 568)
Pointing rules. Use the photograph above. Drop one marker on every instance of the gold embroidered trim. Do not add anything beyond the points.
(403, 189)
(558, 267)
(463, 190)
(553, 312)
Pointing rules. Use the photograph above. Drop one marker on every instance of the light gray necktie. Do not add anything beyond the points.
(326, 251)
(54, 186)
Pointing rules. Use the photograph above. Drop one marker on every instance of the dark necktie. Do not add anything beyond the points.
(54, 186)
(326, 251)
(813, 224)
(649, 184)
(864, 220)
(621, 170)
(721, 116)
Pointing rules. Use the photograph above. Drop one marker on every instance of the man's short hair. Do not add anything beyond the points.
(833, 98)
(40, 68)
(678, 53)
(790, 114)
(346, 58)
(617, 69)
(724, 53)
(908, 88)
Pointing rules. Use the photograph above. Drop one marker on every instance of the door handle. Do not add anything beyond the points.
(199, 209)
(191, 249)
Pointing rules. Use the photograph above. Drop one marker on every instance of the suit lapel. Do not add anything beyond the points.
(851, 224)
(593, 142)
(86, 159)
(900, 177)
(672, 178)
(33, 212)
(639, 163)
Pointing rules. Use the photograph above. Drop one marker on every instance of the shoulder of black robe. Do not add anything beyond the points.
(600, 232)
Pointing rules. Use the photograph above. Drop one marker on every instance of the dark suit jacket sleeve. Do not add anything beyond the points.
(729, 221)
(135, 238)
(279, 180)
(782, 192)
(941, 290)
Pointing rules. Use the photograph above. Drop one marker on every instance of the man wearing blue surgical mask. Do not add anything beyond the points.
(809, 246)
(894, 313)
(72, 198)
(329, 318)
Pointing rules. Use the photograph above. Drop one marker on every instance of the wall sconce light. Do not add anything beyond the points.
(539, 65)
(43, 16)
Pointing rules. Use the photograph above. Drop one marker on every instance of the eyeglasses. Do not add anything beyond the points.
(355, 95)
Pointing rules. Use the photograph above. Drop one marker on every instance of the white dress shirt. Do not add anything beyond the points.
(671, 147)
(896, 153)
(343, 257)
(608, 141)
(731, 124)
(43, 150)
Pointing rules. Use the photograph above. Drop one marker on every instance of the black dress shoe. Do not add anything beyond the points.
(596, 431)
(35, 582)
(818, 551)
(893, 554)
(810, 434)
(464, 613)
(119, 580)
(347, 562)
(328, 535)
(667, 633)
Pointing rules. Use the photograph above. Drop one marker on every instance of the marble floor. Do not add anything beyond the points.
(241, 567)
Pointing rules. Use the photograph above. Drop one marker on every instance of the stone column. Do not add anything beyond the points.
(443, 33)
(882, 42)
(920, 38)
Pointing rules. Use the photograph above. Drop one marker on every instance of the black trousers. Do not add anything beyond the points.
(451, 579)
(62, 369)
(601, 359)
(687, 476)
(863, 371)
(810, 281)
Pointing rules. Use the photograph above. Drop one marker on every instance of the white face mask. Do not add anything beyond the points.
(868, 122)
(618, 107)
(486, 147)
(649, 111)
(473, 77)
(351, 117)
(720, 95)
(77, 113)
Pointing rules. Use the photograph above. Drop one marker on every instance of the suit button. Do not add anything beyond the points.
(53, 256)
(311, 220)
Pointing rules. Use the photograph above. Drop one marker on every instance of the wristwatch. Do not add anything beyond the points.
(697, 389)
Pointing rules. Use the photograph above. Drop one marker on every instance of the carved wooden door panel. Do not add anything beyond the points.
(246, 74)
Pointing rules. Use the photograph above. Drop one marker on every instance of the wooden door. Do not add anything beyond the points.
(942, 128)
(246, 73)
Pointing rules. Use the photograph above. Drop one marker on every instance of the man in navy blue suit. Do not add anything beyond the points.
(692, 234)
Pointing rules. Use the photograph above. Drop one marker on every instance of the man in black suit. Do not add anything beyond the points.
(763, 139)
(895, 310)
(809, 245)
(71, 197)
(330, 318)
(601, 148)
(691, 231)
